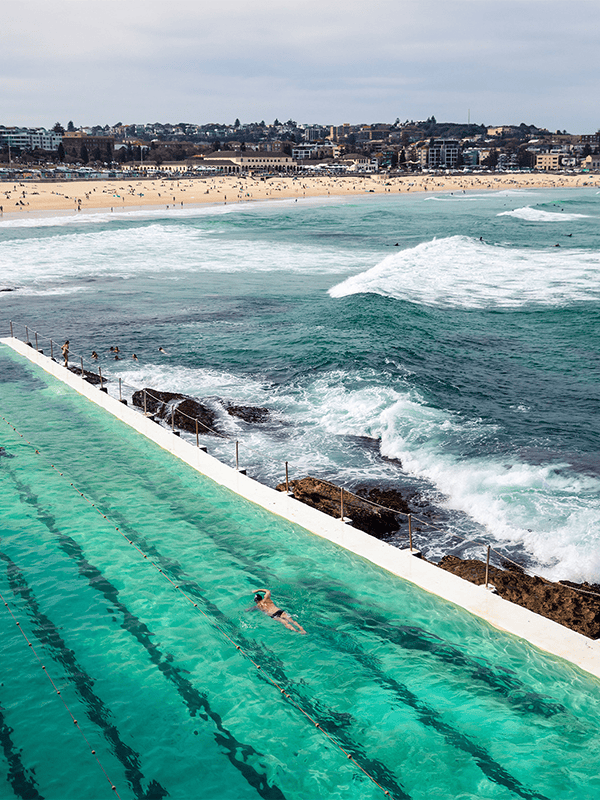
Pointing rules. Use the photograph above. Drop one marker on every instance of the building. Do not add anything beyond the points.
(30, 138)
(548, 161)
(73, 141)
(591, 163)
(440, 154)
(593, 139)
(241, 161)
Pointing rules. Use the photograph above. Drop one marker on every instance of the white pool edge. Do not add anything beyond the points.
(539, 631)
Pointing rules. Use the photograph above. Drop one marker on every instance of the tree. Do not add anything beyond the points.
(70, 126)
(237, 123)
(243, 147)
(58, 128)
(84, 154)
(402, 158)
(394, 160)
(97, 154)
(587, 150)
(276, 123)
(61, 152)
(491, 159)
(217, 145)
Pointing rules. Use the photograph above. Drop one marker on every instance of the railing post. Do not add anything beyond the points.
(342, 504)
(172, 419)
(120, 395)
(51, 350)
(237, 455)
(12, 336)
(287, 481)
(410, 532)
(487, 567)
(36, 342)
(197, 435)
(81, 359)
(26, 335)
(145, 412)
(100, 373)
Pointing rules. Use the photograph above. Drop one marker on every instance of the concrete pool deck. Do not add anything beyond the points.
(539, 631)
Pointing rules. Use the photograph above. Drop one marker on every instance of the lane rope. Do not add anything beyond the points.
(59, 694)
(210, 620)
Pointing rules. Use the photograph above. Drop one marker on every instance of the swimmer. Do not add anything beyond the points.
(163, 351)
(94, 355)
(268, 607)
(135, 358)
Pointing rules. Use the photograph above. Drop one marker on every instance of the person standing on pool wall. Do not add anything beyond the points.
(268, 607)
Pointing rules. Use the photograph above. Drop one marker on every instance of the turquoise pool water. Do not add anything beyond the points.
(431, 701)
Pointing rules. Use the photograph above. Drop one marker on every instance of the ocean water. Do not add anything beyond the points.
(131, 576)
(447, 345)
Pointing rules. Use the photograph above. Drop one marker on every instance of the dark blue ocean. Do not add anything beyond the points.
(447, 346)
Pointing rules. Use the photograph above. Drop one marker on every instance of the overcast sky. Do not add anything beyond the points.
(107, 61)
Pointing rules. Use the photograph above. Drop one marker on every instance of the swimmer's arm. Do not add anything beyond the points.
(252, 608)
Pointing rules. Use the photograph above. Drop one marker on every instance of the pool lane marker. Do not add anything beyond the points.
(214, 624)
(58, 692)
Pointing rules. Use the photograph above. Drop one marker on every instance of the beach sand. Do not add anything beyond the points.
(20, 199)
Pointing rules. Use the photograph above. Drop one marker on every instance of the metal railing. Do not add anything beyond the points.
(344, 505)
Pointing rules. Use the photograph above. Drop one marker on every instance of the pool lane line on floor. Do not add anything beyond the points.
(58, 693)
(539, 631)
(492, 770)
(398, 792)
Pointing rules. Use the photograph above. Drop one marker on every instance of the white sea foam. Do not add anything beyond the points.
(549, 510)
(158, 247)
(538, 215)
(553, 512)
(465, 273)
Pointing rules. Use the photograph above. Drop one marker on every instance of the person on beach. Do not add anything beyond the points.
(268, 607)
(65, 352)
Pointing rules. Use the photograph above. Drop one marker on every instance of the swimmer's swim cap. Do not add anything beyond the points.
(258, 597)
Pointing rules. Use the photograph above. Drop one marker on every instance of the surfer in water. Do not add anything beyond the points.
(268, 607)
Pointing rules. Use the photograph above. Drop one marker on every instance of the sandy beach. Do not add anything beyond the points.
(26, 198)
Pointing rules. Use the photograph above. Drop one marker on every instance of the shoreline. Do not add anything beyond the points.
(23, 200)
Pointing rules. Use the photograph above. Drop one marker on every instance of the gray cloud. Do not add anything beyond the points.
(97, 61)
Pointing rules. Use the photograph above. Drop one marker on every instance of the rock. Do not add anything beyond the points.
(326, 497)
(391, 498)
(90, 377)
(556, 601)
(187, 410)
(249, 413)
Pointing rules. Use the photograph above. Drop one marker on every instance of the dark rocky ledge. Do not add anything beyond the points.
(248, 413)
(186, 410)
(580, 612)
(368, 518)
(90, 377)
(556, 601)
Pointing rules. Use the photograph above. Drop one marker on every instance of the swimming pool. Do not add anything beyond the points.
(429, 700)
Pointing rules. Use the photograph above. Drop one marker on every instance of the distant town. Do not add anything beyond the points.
(399, 147)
